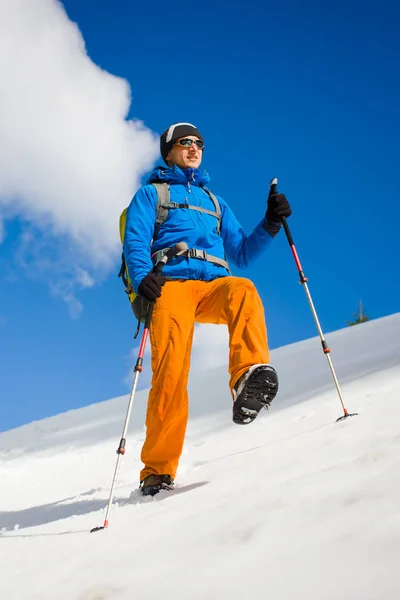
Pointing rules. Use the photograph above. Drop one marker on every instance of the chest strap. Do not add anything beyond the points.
(192, 253)
(191, 207)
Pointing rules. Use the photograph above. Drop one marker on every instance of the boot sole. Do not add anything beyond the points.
(152, 490)
(259, 391)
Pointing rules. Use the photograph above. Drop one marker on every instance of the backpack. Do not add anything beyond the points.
(164, 205)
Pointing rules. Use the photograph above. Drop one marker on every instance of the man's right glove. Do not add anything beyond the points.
(150, 287)
(277, 207)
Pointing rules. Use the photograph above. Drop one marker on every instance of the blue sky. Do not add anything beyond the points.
(304, 91)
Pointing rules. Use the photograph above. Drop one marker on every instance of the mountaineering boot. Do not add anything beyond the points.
(152, 484)
(255, 390)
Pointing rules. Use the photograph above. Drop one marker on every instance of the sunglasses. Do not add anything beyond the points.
(187, 142)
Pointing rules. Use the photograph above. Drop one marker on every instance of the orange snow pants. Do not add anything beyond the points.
(233, 301)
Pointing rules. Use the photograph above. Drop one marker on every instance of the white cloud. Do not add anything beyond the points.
(69, 160)
(210, 347)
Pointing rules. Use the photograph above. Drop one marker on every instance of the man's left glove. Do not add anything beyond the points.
(150, 287)
(277, 207)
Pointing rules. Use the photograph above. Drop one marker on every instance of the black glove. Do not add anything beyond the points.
(277, 207)
(150, 287)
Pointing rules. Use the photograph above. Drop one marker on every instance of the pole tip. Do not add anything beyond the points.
(345, 416)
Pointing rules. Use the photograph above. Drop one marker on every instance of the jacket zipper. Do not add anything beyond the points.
(188, 183)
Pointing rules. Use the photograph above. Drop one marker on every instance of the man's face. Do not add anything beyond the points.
(185, 157)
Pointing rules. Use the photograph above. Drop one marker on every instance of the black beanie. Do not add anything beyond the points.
(174, 133)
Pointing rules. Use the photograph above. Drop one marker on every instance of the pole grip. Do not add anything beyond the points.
(179, 248)
(288, 232)
(158, 272)
(273, 187)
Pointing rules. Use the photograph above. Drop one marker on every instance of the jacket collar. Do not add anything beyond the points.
(175, 175)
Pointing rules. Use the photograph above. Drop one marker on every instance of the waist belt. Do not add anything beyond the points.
(192, 253)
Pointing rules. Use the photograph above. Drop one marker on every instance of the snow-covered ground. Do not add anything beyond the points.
(293, 506)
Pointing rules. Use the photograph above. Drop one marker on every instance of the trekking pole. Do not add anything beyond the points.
(303, 280)
(172, 252)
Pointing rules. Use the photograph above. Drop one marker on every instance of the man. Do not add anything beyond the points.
(196, 288)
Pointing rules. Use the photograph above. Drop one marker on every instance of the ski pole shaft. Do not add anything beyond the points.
(174, 251)
(121, 448)
(303, 281)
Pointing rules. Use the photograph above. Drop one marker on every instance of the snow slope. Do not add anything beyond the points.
(294, 505)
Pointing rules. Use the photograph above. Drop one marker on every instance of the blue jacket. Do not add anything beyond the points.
(198, 230)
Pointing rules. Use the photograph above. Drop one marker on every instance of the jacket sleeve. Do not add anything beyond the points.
(241, 249)
(139, 230)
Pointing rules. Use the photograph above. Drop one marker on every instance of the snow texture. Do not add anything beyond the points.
(295, 505)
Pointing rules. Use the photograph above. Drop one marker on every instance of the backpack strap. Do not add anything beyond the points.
(163, 206)
(123, 274)
(122, 271)
(217, 208)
